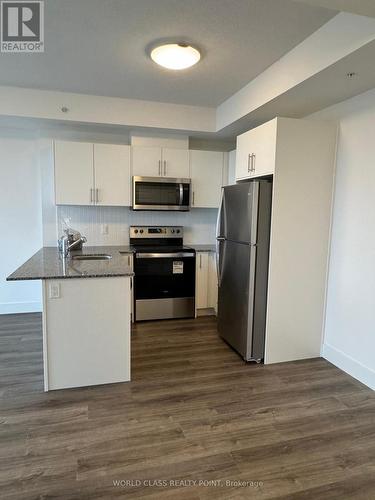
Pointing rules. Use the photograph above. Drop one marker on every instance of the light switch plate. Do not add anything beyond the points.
(54, 291)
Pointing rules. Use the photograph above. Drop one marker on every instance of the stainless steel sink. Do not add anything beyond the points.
(98, 256)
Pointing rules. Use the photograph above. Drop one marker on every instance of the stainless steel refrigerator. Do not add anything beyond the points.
(242, 249)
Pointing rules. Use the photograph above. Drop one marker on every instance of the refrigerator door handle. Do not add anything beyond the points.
(218, 220)
(217, 253)
(218, 236)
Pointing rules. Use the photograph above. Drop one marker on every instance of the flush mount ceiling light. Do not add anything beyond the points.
(175, 55)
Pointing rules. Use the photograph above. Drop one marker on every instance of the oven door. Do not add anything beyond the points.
(161, 193)
(164, 285)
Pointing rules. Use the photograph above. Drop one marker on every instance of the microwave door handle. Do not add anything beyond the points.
(181, 193)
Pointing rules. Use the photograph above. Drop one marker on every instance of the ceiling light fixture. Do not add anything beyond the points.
(175, 55)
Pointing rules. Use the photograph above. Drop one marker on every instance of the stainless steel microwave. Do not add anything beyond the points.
(161, 193)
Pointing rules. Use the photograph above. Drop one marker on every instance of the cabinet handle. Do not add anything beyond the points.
(160, 172)
(91, 195)
(253, 162)
(165, 167)
(249, 157)
(193, 203)
(200, 261)
(97, 195)
(128, 260)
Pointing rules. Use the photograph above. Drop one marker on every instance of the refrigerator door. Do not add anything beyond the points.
(239, 205)
(236, 295)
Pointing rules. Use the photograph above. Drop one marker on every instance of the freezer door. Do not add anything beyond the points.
(239, 204)
(236, 295)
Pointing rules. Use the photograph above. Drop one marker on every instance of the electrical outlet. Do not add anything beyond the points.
(54, 290)
(104, 228)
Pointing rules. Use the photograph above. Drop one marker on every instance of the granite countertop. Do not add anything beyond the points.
(48, 264)
(203, 248)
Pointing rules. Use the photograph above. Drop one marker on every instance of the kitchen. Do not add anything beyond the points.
(181, 284)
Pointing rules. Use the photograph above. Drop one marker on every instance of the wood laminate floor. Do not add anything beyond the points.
(194, 417)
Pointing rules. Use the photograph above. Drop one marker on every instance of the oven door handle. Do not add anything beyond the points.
(164, 255)
(181, 193)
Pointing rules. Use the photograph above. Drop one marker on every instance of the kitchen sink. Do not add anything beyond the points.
(98, 256)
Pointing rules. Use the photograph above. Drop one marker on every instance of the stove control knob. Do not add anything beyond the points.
(172, 231)
(178, 231)
(141, 231)
(136, 231)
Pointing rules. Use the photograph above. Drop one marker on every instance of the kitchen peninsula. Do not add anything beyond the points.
(86, 314)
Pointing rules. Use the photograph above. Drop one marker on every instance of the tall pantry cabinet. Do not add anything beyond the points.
(300, 154)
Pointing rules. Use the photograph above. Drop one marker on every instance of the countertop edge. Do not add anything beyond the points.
(61, 277)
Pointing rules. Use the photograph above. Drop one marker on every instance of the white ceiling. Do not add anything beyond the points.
(324, 89)
(361, 7)
(98, 47)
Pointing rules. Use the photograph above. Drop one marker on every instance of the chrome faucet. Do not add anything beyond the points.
(70, 240)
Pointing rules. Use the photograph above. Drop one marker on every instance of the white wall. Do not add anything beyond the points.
(349, 340)
(20, 220)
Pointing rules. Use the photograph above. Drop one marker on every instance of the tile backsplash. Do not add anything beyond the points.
(199, 224)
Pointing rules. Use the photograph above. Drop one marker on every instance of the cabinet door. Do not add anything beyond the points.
(263, 148)
(206, 177)
(212, 282)
(175, 163)
(74, 173)
(112, 174)
(231, 168)
(95, 348)
(146, 161)
(256, 151)
(243, 156)
(201, 292)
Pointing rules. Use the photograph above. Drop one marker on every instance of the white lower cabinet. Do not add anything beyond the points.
(212, 294)
(131, 266)
(86, 331)
(201, 283)
(206, 283)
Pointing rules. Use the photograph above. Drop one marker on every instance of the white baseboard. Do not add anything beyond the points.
(349, 365)
(20, 307)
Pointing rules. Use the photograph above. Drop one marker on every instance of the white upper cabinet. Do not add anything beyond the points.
(112, 174)
(256, 151)
(146, 161)
(175, 163)
(206, 168)
(92, 174)
(151, 161)
(74, 173)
